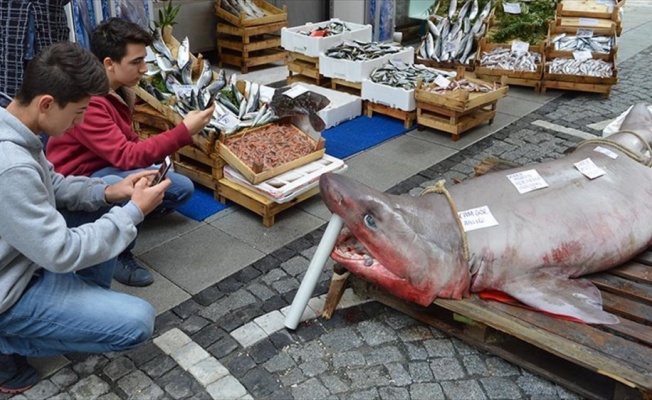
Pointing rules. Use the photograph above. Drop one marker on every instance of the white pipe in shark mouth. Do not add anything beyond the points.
(541, 228)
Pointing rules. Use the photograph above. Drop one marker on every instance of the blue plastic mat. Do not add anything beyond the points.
(342, 141)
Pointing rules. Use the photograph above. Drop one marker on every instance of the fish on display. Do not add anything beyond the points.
(361, 51)
(591, 67)
(544, 242)
(330, 29)
(505, 58)
(405, 76)
(461, 84)
(594, 44)
(235, 7)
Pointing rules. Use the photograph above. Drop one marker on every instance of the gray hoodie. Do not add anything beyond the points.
(33, 234)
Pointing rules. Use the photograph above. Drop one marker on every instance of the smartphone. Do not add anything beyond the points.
(211, 99)
(162, 171)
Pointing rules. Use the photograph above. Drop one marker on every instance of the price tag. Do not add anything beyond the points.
(582, 55)
(589, 169)
(584, 33)
(589, 21)
(606, 152)
(295, 91)
(184, 90)
(512, 8)
(527, 181)
(442, 82)
(477, 218)
(229, 120)
(520, 47)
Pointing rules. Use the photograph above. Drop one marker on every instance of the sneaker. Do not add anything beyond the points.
(130, 272)
(16, 375)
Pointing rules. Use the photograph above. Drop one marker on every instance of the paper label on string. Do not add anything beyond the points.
(589, 169)
(295, 91)
(588, 21)
(477, 218)
(512, 8)
(229, 120)
(527, 181)
(184, 90)
(582, 55)
(442, 82)
(520, 47)
(584, 33)
(606, 152)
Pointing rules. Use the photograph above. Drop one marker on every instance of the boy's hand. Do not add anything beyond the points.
(123, 190)
(146, 197)
(195, 121)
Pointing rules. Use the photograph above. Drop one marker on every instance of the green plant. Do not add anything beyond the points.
(167, 15)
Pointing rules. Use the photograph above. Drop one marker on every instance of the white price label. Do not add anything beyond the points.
(584, 33)
(295, 91)
(442, 82)
(512, 8)
(582, 55)
(527, 181)
(589, 169)
(520, 47)
(589, 21)
(606, 152)
(228, 120)
(184, 90)
(477, 218)
(605, 2)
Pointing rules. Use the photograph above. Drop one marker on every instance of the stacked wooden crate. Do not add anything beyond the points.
(247, 42)
(514, 77)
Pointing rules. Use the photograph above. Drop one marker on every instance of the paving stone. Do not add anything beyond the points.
(237, 319)
(247, 274)
(292, 377)
(341, 339)
(64, 377)
(463, 348)
(334, 383)
(262, 351)
(416, 351)
(501, 388)
(369, 394)
(284, 254)
(239, 364)
(248, 334)
(375, 333)
(348, 359)
(446, 369)
(414, 333)
(420, 371)
(229, 285)
(159, 366)
(313, 367)
(261, 291)
(463, 390)
(280, 362)
(187, 308)
(274, 275)
(307, 352)
(274, 303)
(384, 355)
(90, 365)
(367, 377)
(118, 368)
(214, 311)
(271, 322)
(166, 321)
(393, 393)
(475, 365)
(208, 335)
(208, 296)
(151, 392)
(285, 285)
(208, 371)
(400, 377)
(310, 330)
(172, 340)
(88, 388)
(134, 382)
(260, 383)
(42, 390)
(223, 347)
(427, 391)
(310, 389)
(109, 396)
(295, 266)
(226, 388)
(176, 383)
(499, 367)
(60, 396)
(143, 353)
(193, 324)
(267, 263)
(189, 355)
(533, 385)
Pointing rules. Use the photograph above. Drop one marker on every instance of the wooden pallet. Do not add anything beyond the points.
(246, 47)
(303, 68)
(203, 169)
(408, 117)
(354, 88)
(259, 204)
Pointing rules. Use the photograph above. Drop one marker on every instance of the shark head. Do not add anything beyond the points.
(639, 121)
(396, 242)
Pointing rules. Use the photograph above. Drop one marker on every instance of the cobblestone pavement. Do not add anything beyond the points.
(208, 347)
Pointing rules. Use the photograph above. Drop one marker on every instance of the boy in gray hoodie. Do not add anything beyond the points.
(60, 236)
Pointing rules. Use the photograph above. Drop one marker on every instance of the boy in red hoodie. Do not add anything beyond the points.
(105, 142)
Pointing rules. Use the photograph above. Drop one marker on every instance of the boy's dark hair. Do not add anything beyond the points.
(111, 37)
(65, 71)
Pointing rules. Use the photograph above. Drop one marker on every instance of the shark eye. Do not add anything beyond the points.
(370, 221)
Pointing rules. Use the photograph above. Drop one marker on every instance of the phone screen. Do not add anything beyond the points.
(162, 171)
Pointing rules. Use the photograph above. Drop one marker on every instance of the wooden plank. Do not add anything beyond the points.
(267, 42)
(580, 87)
(635, 271)
(463, 124)
(408, 117)
(623, 287)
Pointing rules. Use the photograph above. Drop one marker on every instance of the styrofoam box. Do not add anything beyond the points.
(292, 40)
(356, 71)
(286, 186)
(342, 106)
(388, 96)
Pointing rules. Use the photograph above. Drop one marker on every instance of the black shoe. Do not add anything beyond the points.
(128, 271)
(16, 375)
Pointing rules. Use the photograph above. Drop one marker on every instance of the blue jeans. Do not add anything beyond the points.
(75, 312)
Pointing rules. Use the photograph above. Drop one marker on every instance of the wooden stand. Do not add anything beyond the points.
(408, 117)
(353, 88)
(246, 47)
(203, 169)
(518, 78)
(255, 202)
(303, 68)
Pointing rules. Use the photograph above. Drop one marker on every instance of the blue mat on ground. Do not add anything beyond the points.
(342, 141)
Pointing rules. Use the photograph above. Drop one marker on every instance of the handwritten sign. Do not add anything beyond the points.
(442, 82)
(527, 181)
(606, 152)
(512, 8)
(589, 169)
(477, 218)
(229, 120)
(589, 21)
(295, 91)
(184, 90)
(584, 33)
(520, 47)
(582, 55)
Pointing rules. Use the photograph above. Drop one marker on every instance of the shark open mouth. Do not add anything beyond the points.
(349, 250)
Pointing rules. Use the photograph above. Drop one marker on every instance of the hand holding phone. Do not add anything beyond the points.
(162, 171)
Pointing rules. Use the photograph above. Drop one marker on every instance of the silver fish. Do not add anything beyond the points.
(206, 75)
(474, 10)
(164, 63)
(161, 47)
(452, 7)
(183, 53)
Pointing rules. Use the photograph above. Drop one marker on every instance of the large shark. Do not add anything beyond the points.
(545, 239)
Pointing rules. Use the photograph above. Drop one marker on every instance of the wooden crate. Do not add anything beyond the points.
(201, 168)
(581, 83)
(303, 68)
(354, 88)
(249, 46)
(259, 204)
(517, 78)
(408, 117)
(591, 9)
(146, 115)
(457, 111)
(554, 30)
(273, 14)
(599, 27)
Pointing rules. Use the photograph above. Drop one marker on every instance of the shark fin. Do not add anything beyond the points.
(575, 298)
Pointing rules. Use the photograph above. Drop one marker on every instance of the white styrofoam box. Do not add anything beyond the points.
(388, 96)
(286, 186)
(292, 40)
(356, 71)
(342, 106)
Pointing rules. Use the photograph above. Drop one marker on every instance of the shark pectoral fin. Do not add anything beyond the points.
(576, 298)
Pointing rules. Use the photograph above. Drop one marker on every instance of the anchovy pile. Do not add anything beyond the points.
(330, 29)
(505, 58)
(401, 75)
(453, 37)
(596, 44)
(360, 51)
(590, 67)
(250, 9)
(461, 84)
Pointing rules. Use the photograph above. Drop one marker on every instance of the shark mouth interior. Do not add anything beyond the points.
(349, 250)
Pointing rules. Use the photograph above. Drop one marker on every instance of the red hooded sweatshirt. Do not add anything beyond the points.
(106, 138)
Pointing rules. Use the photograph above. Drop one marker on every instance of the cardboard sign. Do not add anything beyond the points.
(295, 91)
(589, 169)
(477, 218)
(584, 33)
(527, 181)
(582, 55)
(229, 120)
(184, 90)
(442, 82)
(520, 47)
(606, 152)
(512, 8)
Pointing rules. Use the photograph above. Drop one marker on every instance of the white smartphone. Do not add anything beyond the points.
(162, 171)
